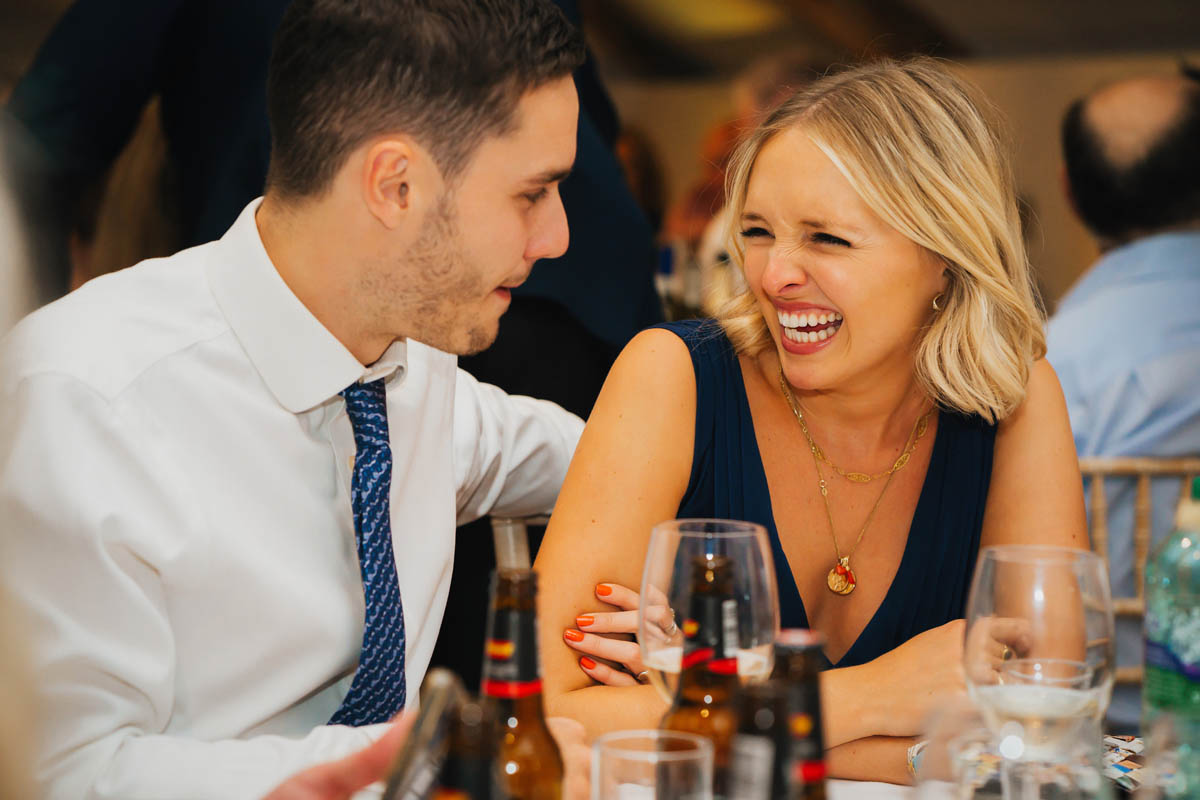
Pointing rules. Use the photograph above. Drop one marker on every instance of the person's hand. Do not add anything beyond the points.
(917, 677)
(619, 647)
(571, 739)
(339, 780)
(993, 641)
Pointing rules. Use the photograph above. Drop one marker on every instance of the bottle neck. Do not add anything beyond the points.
(511, 669)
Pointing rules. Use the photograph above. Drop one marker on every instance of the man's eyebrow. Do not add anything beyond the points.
(551, 176)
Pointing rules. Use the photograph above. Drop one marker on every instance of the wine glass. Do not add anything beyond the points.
(1039, 661)
(666, 595)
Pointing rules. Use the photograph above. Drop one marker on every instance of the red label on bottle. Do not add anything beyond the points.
(698, 656)
(808, 771)
(723, 666)
(511, 690)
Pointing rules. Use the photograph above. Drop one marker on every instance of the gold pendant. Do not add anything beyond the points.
(841, 578)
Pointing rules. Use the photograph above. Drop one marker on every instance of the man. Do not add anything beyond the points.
(207, 460)
(1125, 340)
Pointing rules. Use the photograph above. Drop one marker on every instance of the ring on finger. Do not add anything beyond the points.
(672, 629)
(1007, 653)
(643, 676)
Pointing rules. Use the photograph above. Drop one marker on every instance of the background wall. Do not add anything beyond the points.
(1032, 92)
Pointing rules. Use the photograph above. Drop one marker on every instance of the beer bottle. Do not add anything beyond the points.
(528, 765)
(708, 679)
(467, 772)
(799, 659)
(779, 750)
(762, 746)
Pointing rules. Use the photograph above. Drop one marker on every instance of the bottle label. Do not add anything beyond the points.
(806, 772)
(804, 725)
(1169, 683)
(711, 635)
(510, 656)
(753, 762)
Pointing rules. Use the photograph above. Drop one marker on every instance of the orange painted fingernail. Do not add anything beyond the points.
(603, 589)
(574, 636)
(583, 620)
(587, 663)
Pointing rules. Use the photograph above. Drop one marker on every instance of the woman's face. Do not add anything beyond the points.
(844, 295)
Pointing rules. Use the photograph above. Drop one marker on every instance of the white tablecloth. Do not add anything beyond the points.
(867, 790)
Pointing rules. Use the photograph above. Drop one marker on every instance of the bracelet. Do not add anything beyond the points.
(914, 758)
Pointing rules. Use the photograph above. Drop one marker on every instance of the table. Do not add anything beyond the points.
(868, 790)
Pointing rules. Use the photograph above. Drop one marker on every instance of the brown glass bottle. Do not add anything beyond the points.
(708, 680)
(779, 749)
(762, 746)
(799, 659)
(467, 772)
(528, 765)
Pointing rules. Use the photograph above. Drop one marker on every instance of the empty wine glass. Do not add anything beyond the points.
(666, 595)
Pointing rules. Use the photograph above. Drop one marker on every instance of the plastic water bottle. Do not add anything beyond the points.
(1172, 684)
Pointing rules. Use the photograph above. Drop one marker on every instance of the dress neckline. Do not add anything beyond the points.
(921, 520)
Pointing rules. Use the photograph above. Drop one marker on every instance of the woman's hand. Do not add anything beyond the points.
(613, 648)
(571, 739)
(915, 678)
(993, 641)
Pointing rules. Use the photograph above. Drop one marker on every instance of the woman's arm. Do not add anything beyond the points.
(1036, 493)
(1036, 498)
(879, 758)
(629, 473)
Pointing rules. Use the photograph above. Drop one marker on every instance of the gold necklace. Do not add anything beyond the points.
(863, 477)
(841, 578)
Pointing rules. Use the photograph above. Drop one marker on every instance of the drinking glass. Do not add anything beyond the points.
(666, 595)
(1039, 663)
(652, 765)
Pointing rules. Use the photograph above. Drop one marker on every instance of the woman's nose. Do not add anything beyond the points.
(784, 269)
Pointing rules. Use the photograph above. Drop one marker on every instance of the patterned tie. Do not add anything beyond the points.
(378, 690)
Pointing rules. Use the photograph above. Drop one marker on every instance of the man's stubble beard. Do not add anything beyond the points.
(439, 288)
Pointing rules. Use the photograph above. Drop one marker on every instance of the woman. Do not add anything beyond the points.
(877, 399)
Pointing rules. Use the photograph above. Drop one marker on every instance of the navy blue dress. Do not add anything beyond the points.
(728, 482)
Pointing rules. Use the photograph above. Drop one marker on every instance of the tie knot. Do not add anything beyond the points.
(366, 404)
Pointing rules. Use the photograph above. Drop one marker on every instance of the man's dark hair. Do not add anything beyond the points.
(1159, 190)
(446, 72)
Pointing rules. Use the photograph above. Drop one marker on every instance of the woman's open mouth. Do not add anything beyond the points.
(809, 327)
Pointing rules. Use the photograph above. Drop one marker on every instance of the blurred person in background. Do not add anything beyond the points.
(230, 478)
(1125, 340)
(889, 296)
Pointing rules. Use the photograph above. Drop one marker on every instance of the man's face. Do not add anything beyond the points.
(484, 235)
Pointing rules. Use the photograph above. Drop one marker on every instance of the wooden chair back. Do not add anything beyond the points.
(1143, 471)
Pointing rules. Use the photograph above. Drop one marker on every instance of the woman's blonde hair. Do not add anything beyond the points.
(925, 151)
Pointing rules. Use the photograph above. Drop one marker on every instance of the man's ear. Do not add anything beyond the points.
(391, 182)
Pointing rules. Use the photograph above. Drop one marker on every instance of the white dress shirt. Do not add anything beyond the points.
(175, 467)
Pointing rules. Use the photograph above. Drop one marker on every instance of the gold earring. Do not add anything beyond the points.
(936, 298)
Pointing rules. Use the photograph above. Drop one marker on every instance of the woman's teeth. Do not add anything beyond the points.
(809, 327)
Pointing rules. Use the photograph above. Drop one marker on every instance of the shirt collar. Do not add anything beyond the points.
(302, 363)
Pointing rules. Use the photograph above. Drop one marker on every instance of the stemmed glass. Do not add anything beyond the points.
(666, 595)
(1039, 662)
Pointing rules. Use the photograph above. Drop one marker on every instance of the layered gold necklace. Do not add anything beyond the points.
(841, 578)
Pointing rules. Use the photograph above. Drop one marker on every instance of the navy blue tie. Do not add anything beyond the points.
(378, 690)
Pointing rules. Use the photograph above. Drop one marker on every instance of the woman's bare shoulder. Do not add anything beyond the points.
(1036, 493)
